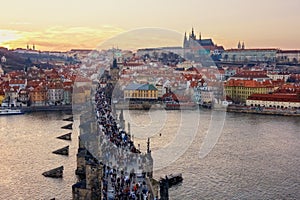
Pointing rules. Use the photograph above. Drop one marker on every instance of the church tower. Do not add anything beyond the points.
(193, 36)
(243, 45)
(239, 45)
(185, 41)
(114, 71)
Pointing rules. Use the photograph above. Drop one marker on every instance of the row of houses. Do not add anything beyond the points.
(50, 93)
(233, 55)
(37, 87)
(259, 89)
(203, 84)
(275, 100)
(261, 55)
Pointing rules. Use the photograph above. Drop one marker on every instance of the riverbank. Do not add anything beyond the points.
(263, 111)
(155, 106)
(230, 108)
(46, 108)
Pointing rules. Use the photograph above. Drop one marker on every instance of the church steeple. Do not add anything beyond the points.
(193, 36)
(243, 45)
(185, 41)
(200, 36)
(239, 45)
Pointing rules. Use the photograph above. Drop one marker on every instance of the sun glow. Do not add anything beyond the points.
(7, 36)
(57, 38)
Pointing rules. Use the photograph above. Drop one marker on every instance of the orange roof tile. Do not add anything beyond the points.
(248, 83)
(283, 97)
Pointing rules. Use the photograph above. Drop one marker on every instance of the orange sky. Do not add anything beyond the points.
(62, 25)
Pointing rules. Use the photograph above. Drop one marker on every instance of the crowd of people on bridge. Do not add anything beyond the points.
(121, 156)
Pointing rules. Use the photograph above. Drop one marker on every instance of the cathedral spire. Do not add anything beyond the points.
(185, 41)
(193, 34)
(200, 36)
(239, 45)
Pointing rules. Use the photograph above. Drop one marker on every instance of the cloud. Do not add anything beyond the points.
(61, 38)
(146, 37)
(20, 23)
(7, 36)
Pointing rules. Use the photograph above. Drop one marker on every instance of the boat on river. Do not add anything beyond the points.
(9, 111)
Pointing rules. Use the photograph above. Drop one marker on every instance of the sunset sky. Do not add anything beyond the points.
(62, 25)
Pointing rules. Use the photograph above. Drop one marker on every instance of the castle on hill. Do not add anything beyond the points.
(201, 46)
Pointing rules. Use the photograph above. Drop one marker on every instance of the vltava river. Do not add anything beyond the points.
(27, 142)
(255, 157)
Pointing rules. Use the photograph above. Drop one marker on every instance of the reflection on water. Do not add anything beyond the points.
(27, 142)
(256, 157)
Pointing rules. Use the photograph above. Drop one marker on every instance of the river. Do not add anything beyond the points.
(255, 156)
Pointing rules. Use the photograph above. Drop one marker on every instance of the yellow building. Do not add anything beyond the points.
(2, 97)
(141, 92)
(240, 90)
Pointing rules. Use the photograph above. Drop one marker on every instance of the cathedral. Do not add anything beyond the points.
(203, 46)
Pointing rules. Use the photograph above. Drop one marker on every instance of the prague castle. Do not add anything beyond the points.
(203, 46)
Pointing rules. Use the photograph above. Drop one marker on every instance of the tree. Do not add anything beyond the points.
(226, 57)
(295, 61)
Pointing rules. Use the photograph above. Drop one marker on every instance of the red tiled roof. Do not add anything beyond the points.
(34, 83)
(68, 83)
(68, 88)
(12, 89)
(251, 74)
(17, 81)
(39, 88)
(283, 97)
(189, 77)
(194, 84)
(248, 83)
(175, 97)
(55, 85)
